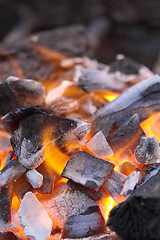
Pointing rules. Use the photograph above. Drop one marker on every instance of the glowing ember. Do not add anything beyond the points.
(110, 96)
(106, 205)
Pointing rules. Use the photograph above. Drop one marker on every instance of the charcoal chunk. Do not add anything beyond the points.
(114, 185)
(88, 223)
(141, 99)
(148, 152)
(138, 216)
(87, 169)
(15, 92)
(8, 236)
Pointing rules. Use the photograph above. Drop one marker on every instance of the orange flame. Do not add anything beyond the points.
(54, 158)
(106, 205)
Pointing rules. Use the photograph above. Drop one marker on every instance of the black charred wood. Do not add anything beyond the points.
(95, 195)
(12, 171)
(48, 179)
(6, 194)
(88, 223)
(114, 185)
(87, 169)
(141, 99)
(126, 136)
(148, 152)
(28, 125)
(15, 92)
(138, 216)
(8, 236)
(94, 79)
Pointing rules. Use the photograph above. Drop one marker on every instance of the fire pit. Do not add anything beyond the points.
(80, 153)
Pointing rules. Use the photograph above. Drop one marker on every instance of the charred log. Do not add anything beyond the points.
(88, 223)
(15, 92)
(26, 124)
(141, 99)
(126, 136)
(138, 217)
(87, 169)
(114, 185)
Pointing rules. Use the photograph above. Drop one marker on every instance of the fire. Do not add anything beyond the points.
(106, 205)
(54, 158)
(110, 96)
(151, 126)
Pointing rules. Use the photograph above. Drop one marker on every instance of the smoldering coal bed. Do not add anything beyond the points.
(69, 154)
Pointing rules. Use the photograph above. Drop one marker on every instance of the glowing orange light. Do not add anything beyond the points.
(148, 126)
(54, 158)
(15, 203)
(110, 96)
(106, 205)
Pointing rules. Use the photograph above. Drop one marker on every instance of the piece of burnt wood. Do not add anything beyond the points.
(107, 236)
(10, 172)
(149, 171)
(95, 79)
(34, 64)
(48, 179)
(126, 168)
(102, 150)
(65, 202)
(26, 124)
(95, 195)
(148, 152)
(114, 185)
(35, 219)
(126, 136)
(87, 169)
(15, 92)
(138, 216)
(6, 194)
(127, 70)
(21, 186)
(142, 98)
(8, 236)
(88, 223)
(130, 183)
(34, 178)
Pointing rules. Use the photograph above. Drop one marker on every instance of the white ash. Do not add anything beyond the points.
(34, 178)
(34, 218)
(99, 146)
(130, 182)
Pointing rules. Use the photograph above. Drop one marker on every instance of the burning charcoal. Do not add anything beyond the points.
(28, 133)
(65, 202)
(48, 179)
(127, 70)
(95, 195)
(11, 171)
(130, 183)
(6, 194)
(142, 98)
(34, 178)
(102, 149)
(8, 236)
(98, 79)
(127, 136)
(17, 93)
(109, 236)
(88, 223)
(34, 218)
(149, 171)
(22, 186)
(138, 216)
(148, 152)
(114, 185)
(87, 169)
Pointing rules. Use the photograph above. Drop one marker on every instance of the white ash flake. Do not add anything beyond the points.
(34, 218)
